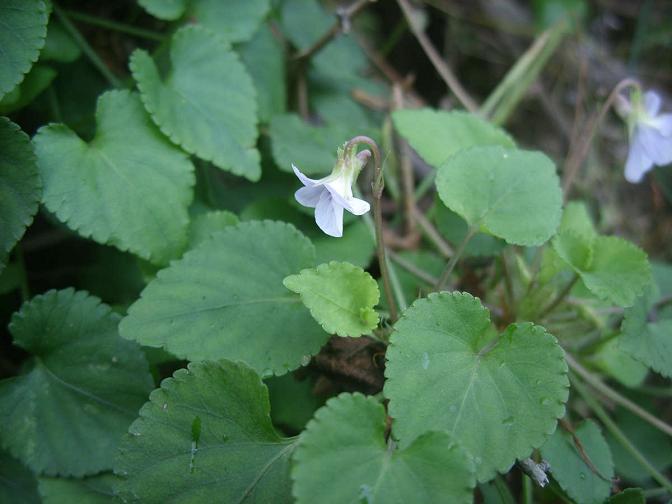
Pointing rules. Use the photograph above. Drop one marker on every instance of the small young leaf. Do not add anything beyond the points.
(499, 398)
(340, 297)
(129, 187)
(628, 496)
(225, 300)
(238, 456)
(437, 135)
(619, 364)
(92, 490)
(343, 457)
(20, 185)
(207, 104)
(66, 413)
(24, 28)
(512, 194)
(568, 465)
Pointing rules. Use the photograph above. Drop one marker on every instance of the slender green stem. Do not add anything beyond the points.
(23, 273)
(115, 26)
(445, 276)
(528, 495)
(425, 184)
(378, 185)
(560, 297)
(618, 434)
(86, 48)
(432, 234)
(412, 268)
(610, 393)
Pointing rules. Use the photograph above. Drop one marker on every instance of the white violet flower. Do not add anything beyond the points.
(650, 134)
(331, 194)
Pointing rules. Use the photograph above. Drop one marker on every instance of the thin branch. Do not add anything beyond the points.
(406, 168)
(412, 268)
(115, 26)
(439, 64)
(445, 276)
(433, 235)
(607, 391)
(560, 297)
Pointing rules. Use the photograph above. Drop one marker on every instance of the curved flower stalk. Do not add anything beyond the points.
(650, 134)
(333, 193)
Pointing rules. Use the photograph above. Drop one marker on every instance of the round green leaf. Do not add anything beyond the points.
(343, 457)
(129, 187)
(498, 396)
(340, 297)
(207, 103)
(66, 413)
(512, 194)
(168, 10)
(92, 490)
(20, 185)
(24, 29)
(225, 299)
(437, 135)
(206, 436)
(203, 226)
(570, 469)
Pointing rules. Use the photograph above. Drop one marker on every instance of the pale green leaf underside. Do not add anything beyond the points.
(92, 490)
(437, 135)
(206, 436)
(66, 414)
(570, 470)
(207, 104)
(512, 194)
(650, 342)
(225, 299)
(129, 187)
(24, 29)
(20, 185)
(343, 457)
(340, 297)
(500, 399)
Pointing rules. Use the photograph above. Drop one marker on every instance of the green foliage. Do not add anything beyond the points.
(512, 194)
(24, 28)
(128, 187)
(206, 435)
(228, 296)
(17, 483)
(455, 229)
(500, 395)
(92, 490)
(340, 297)
(82, 388)
(343, 457)
(585, 483)
(437, 135)
(20, 186)
(193, 104)
(204, 225)
(36, 81)
(628, 496)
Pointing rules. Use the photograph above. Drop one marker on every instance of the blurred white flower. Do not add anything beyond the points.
(650, 134)
(331, 194)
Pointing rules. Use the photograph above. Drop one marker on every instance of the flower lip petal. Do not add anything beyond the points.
(304, 180)
(353, 205)
(663, 123)
(309, 196)
(638, 163)
(652, 103)
(329, 215)
(657, 147)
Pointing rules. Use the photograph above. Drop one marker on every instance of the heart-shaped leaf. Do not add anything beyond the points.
(83, 388)
(340, 297)
(20, 185)
(24, 28)
(585, 483)
(437, 135)
(207, 104)
(343, 457)
(512, 194)
(225, 300)
(129, 187)
(206, 436)
(499, 396)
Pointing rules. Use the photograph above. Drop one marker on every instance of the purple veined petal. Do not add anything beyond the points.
(329, 215)
(658, 148)
(304, 180)
(355, 206)
(309, 196)
(652, 103)
(663, 123)
(638, 163)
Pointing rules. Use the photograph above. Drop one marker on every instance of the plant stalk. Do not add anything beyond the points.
(445, 276)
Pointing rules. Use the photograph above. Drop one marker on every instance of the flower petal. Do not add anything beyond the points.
(304, 180)
(353, 205)
(309, 196)
(652, 103)
(329, 215)
(663, 123)
(638, 163)
(657, 147)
